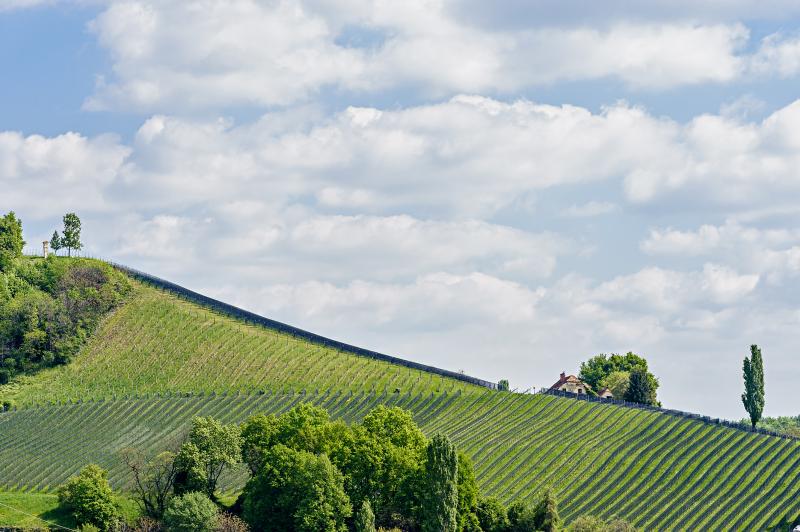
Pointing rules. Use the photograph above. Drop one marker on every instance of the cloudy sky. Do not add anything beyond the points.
(503, 188)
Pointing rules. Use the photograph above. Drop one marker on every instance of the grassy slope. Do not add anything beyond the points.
(657, 470)
(158, 342)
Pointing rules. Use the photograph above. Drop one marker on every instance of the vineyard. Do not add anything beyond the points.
(659, 471)
(158, 342)
(160, 360)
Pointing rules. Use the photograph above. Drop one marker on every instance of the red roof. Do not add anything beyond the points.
(568, 378)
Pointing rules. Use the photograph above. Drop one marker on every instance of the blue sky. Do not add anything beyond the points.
(502, 190)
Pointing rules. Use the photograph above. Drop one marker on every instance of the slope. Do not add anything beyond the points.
(159, 342)
(659, 471)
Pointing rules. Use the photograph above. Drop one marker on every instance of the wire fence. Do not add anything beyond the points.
(677, 413)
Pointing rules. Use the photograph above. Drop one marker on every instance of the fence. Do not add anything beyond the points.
(677, 413)
(251, 317)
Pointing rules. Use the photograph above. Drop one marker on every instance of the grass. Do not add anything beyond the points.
(658, 471)
(32, 511)
(160, 343)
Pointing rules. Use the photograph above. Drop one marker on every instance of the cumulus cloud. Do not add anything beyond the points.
(44, 175)
(178, 55)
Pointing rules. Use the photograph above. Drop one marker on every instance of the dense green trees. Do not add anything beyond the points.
(364, 519)
(89, 498)
(600, 370)
(753, 396)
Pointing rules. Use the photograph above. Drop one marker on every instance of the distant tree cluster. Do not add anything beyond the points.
(70, 237)
(48, 307)
(627, 376)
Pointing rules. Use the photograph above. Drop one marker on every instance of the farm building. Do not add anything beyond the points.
(571, 383)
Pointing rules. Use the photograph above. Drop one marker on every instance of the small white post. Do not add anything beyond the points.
(45, 248)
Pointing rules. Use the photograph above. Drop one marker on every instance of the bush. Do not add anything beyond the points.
(492, 515)
(89, 498)
(228, 522)
(192, 512)
(365, 519)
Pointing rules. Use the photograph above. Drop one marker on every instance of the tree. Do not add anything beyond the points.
(296, 491)
(71, 238)
(55, 242)
(597, 368)
(753, 396)
(617, 382)
(365, 519)
(153, 479)
(89, 498)
(258, 436)
(211, 447)
(640, 388)
(191, 512)
(590, 523)
(467, 495)
(503, 385)
(439, 508)
(547, 518)
(522, 517)
(11, 242)
(492, 515)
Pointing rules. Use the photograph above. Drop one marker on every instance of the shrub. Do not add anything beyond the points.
(228, 522)
(192, 512)
(492, 515)
(89, 498)
(365, 519)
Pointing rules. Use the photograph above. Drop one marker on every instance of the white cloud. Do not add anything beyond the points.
(47, 175)
(174, 55)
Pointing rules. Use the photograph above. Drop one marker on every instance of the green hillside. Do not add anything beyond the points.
(158, 342)
(659, 471)
(159, 360)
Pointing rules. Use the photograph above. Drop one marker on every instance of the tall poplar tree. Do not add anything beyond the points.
(753, 396)
(439, 509)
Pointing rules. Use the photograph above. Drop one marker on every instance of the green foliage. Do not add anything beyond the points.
(753, 396)
(640, 388)
(599, 367)
(547, 516)
(71, 238)
(364, 519)
(89, 498)
(296, 491)
(55, 242)
(210, 448)
(191, 512)
(522, 517)
(11, 242)
(468, 493)
(492, 515)
(153, 479)
(592, 523)
(439, 495)
(259, 434)
(48, 308)
(503, 385)
(785, 424)
(617, 382)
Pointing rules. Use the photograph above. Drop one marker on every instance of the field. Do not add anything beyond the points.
(659, 471)
(159, 343)
(160, 360)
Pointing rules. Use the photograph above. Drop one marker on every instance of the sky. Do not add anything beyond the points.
(503, 188)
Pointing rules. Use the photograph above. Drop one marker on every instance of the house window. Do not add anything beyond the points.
(580, 390)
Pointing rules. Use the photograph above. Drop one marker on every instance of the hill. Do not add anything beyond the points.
(160, 359)
(158, 342)
(659, 471)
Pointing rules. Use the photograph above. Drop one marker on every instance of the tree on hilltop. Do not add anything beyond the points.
(55, 242)
(753, 396)
(71, 238)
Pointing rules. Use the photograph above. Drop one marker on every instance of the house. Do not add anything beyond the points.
(605, 393)
(571, 384)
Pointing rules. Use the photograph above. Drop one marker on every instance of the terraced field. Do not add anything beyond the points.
(158, 342)
(659, 471)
